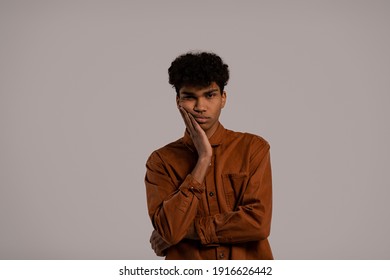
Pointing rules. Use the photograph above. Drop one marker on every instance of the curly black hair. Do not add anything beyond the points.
(198, 69)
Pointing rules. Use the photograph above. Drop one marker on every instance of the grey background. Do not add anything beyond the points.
(84, 99)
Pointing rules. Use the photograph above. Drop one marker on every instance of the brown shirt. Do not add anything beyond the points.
(231, 209)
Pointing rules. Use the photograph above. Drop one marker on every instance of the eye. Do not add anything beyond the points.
(210, 95)
(187, 97)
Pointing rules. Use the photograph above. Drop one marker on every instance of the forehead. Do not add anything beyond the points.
(199, 89)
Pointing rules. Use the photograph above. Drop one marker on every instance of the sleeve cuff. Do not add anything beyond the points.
(206, 231)
(190, 185)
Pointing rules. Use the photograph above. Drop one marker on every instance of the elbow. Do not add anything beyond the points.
(264, 227)
(169, 235)
(260, 224)
(171, 232)
(264, 232)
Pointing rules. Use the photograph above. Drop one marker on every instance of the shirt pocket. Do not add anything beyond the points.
(234, 185)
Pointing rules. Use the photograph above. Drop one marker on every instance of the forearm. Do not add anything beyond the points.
(248, 223)
(200, 170)
(172, 215)
(251, 220)
(199, 173)
(186, 200)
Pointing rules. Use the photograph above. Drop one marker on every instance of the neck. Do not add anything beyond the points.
(212, 130)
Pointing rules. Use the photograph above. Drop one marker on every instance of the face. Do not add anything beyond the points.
(204, 104)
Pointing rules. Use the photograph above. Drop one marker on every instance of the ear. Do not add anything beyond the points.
(177, 100)
(223, 99)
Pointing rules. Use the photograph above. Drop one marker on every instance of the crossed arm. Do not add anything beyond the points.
(203, 147)
(173, 210)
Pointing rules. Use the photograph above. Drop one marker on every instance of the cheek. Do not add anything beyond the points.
(186, 104)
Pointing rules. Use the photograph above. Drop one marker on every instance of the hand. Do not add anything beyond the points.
(159, 246)
(197, 134)
(202, 145)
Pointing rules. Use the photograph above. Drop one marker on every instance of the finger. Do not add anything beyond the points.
(191, 121)
(154, 240)
(158, 244)
(155, 246)
(159, 253)
(160, 248)
(153, 236)
(187, 120)
(194, 123)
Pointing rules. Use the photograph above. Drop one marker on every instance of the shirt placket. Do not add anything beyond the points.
(211, 190)
(222, 252)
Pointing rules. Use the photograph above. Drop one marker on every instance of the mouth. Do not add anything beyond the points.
(200, 119)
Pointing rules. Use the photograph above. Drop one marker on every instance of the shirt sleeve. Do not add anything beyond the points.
(172, 207)
(251, 220)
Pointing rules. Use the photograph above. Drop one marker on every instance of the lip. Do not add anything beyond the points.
(201, 119)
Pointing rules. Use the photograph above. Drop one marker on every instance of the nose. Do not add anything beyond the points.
(200, 105)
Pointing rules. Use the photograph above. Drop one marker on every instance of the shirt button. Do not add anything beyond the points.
(211, 194)
(221, 255)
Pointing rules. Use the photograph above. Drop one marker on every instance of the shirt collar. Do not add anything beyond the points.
(215, 139)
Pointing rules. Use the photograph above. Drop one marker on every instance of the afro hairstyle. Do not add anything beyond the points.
(198, 69)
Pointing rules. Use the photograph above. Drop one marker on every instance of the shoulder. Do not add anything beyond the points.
(258, 141)
(253, 140)
(159, 155)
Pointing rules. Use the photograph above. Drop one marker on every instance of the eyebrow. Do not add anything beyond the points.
(206, 92)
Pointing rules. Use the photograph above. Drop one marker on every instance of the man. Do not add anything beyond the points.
(209, 193)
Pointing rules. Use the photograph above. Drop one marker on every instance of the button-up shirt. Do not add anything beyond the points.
(231, 209)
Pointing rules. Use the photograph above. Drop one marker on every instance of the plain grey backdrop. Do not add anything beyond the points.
(84, 100)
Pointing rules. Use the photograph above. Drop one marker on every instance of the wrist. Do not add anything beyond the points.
(204, 159)
(200, 170)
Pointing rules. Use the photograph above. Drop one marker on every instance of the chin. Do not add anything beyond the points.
(204, 126)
